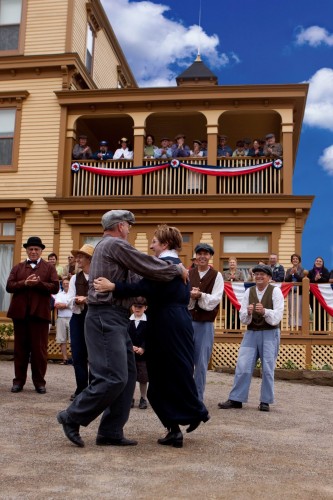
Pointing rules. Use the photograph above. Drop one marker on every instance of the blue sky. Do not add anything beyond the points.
(248, 42)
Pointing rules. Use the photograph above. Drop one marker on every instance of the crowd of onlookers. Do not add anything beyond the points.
(177, 148)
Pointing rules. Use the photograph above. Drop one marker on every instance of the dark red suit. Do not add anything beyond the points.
(30, 309)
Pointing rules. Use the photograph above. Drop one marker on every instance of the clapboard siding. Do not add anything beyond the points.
(46, 27)
(79, 28)
(38, 156)
(105, 63)
(287, 242)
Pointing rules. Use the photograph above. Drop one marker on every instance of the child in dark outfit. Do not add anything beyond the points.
(137, 332)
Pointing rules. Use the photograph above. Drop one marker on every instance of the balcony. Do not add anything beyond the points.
(178, 179)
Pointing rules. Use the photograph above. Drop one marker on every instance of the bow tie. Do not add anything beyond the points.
(32, 261)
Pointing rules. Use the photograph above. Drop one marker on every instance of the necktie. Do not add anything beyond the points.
(32, 261)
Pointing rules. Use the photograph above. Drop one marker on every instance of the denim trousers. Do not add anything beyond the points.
(263, 344)
(113, 370)
(203, 346)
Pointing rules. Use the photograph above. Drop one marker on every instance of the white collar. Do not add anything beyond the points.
(168, 253)
(143, 317)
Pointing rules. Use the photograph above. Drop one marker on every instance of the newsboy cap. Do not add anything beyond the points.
(113, 217)
(262, 268)
(34, 241)
(204, 247)
(269, 136)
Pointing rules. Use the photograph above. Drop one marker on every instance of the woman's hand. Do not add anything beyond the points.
(103, 285)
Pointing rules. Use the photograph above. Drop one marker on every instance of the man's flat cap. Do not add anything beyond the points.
(261, 268)
(113, 217)
(204, 247)
(269, 136)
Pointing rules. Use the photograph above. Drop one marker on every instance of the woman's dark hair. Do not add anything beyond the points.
(295, 255)
(169, 235)
(321, 259)
(150, 135)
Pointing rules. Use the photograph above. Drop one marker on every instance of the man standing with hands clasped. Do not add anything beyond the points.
(262, 311)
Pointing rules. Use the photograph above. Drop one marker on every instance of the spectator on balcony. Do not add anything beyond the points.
(204, 147)
(247, 145)
(222, 148)
(82, 151)
(103, 153)
(240, 149)
(196, 150)
(318, 274)
(256, 150)
(272, 149)
(150, 150)
(125, 151)
(180, 149)
(165, 150)
(296, 274)
(277, 269)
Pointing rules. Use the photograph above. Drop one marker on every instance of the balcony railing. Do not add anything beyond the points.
(177, 181)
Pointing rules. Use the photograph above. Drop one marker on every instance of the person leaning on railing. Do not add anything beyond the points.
(296, 274)
(318, 274)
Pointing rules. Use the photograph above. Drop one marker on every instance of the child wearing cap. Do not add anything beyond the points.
(137, 332)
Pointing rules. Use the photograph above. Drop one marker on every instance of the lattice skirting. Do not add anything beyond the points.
(226, 355)
(53, 349)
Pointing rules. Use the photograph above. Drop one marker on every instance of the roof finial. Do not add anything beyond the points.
(198, 59)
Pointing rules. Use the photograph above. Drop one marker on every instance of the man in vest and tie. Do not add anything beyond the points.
(262, 311)
(206, 293)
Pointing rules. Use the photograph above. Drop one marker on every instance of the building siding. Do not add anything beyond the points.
(105, 63)
(80, 29)
(46, 27)
(287, 242)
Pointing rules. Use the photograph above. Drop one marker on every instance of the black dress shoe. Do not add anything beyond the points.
(196, 424)
(227, 405)
(41, 390)
(16, 388)
(71, 429)
(174, 439)
(263, 407)
(105, 441)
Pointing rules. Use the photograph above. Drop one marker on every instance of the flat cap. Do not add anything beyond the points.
(113, 217)
(204, 247)
(104, 143)
(262, 268)
(178, 136)
(269, 136)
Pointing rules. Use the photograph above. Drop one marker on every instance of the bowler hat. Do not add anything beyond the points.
(34, 241)
(178, 136)
(113, 217)
(86, 249)
(204, 247)
(262, 268)
(123, 139)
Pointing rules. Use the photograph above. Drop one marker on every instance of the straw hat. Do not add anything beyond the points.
(86, 250)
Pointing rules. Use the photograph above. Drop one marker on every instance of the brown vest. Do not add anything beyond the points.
(258, 321)
(206, 286)
(81, 284)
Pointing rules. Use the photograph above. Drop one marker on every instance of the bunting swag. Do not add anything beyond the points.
(324, 294)
(198, 169)
(235, 291)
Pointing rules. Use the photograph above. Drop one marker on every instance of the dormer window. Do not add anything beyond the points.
(90, 48)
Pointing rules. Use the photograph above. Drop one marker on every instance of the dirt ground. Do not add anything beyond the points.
(238, 454)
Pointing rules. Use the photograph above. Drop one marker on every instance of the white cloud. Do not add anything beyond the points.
(326, 160)
(319, 108)
(158, 48)
(314, 36)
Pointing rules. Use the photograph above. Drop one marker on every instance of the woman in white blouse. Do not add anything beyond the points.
(124, 151)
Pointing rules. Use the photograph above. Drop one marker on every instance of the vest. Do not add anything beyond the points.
(258, 321)
(81, 284)
(206, 286)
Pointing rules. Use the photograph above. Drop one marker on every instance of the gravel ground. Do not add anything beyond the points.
(238, 454)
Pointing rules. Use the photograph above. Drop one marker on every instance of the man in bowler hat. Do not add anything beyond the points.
(32, 283)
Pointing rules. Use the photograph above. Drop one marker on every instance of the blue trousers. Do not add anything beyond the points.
(112, 366)
(263, 344)
(203, 346)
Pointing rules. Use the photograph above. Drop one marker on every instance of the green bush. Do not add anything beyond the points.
(6, 331)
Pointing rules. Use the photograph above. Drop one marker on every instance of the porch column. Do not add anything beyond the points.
(139, 120)
(287, 130)
(212, 133)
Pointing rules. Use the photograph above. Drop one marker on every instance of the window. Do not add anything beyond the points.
(7, 229)
(90, 48)
(10, 19)
(7, 128)
(245, 244)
